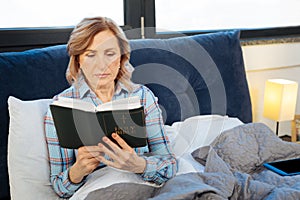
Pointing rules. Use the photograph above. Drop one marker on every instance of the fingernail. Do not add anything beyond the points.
(114, 135)
(105, 139)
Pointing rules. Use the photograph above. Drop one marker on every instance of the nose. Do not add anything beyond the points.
(101, 63)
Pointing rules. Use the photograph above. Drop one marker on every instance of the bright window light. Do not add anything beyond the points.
(204, 15)
(39, 13)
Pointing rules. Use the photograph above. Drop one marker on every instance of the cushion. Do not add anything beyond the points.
(194, 75)
(198, 131)
(28, 164)
(193, 133)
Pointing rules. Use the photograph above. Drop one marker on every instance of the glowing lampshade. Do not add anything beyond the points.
(280, 100)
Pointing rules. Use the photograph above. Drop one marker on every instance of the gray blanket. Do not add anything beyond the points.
(233, 170)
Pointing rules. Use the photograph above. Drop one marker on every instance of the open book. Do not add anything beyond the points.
(80, 123)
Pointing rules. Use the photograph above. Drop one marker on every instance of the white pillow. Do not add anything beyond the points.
(28, 164)
(194, 132)
(197, 131)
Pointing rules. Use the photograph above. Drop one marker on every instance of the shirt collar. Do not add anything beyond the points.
(119, 87)
(83, 88)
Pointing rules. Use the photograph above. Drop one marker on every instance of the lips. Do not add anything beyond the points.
(104, 75)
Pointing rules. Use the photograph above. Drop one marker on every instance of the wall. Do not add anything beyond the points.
(266, 61)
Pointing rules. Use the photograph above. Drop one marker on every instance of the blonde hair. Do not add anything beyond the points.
(81, 38)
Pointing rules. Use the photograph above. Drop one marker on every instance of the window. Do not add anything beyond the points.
(54, 13)
(206, 15)
(26, 24)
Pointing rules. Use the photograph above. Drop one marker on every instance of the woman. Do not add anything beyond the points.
(99, 72)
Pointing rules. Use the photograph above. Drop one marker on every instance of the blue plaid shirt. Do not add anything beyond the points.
(160, 166)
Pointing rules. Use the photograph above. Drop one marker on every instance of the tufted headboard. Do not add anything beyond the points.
(191, 75)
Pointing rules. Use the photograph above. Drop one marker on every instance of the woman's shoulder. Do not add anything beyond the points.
(144, 92)
(69, 92)
(139, 88)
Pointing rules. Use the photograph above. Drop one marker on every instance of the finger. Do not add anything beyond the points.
(95, 160)
(89, 151)
(112, 145)
(95, 154)
(97, 157)
(87, 155)
(108, 152)
(87, 164)
(121, 142)
(89, 148)
(107, 162)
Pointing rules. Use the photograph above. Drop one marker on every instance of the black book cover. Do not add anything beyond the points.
(76, 128)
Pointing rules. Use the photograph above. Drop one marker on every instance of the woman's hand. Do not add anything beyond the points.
(87, 160)
(124, 158)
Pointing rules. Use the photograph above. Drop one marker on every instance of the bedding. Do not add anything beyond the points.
(219, 157)
(233, 170)
(200, 70)
(201, 129)
(27, 129)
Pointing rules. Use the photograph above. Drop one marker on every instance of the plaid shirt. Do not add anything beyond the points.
(160, 166)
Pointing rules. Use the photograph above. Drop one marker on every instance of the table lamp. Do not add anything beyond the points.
(280, 100)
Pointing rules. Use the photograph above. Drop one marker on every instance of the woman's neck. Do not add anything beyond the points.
(105, 93)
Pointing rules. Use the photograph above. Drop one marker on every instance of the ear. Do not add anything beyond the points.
(77, 60)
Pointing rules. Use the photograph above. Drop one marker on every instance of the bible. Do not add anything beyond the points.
(80, 123)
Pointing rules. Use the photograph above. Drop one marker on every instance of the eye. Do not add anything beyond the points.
(110, 53)
(90, 55)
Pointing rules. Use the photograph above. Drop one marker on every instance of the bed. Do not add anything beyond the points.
(201, 85)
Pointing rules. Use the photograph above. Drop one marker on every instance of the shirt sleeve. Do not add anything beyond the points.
(60, 159)
(161, 165)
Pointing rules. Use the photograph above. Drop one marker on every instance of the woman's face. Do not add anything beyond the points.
(100, 62)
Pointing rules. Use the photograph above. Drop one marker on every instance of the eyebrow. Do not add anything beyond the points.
(90, 50)
(108, 49)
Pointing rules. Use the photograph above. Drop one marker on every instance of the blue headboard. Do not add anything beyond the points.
(201, 74)
(190, 75)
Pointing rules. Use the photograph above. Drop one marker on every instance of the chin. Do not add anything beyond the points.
(105, 83)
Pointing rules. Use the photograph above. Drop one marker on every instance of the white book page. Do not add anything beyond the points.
(75, 103)
(121, 104)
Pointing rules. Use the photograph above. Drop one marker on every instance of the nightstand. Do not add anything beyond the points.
(295, 129)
